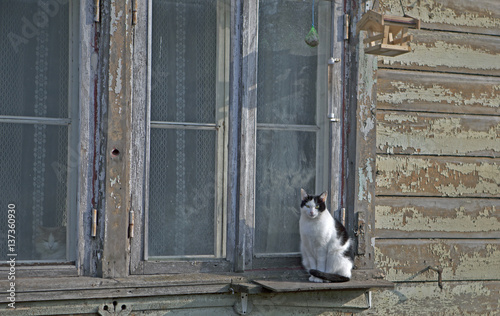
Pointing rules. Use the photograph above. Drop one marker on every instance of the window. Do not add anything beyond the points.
(39, 127)
(292, 126)
(187, 126)
(187, 130)
(189, 223)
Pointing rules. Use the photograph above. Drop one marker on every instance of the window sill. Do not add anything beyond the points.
(253, 282)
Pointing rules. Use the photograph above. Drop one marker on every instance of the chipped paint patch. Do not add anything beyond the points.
(415, 93)
(456, 298)
(436, 216)
(457, 13)
(437, 134)
(367, 127)
(405, 260)
(113, 181)
(118, 85)
(365, 178)
(438, 176)
(433, 55)
(115, 18)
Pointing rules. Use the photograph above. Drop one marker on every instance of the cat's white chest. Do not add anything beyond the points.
(317, 232)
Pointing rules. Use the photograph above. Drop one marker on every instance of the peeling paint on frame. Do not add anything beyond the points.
(365, 176)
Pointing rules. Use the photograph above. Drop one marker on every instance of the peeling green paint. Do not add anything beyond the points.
(437, 134)
(466, 13)
(417, 219)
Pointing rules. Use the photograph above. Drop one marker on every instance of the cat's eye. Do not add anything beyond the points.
(317, 206)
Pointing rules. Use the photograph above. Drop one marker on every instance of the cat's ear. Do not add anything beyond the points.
(323, 196)
(39, 229)
(303, 194)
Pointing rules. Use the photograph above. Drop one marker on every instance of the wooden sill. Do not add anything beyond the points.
(68, 288)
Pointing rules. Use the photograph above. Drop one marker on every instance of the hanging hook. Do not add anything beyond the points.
(402, 8)
(439, 271)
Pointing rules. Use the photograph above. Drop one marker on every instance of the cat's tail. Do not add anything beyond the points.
(332, 277)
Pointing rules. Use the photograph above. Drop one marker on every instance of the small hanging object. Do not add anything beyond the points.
(312, 38)
(387, 34)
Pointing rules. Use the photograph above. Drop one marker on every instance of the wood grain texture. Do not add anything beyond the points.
(438, 176)
(478, 16)
(423, 299)
(461, 259)
(361, 154)
(115, 255)
(437, 92)
(449, 52)
(437, 134)
(400, 217)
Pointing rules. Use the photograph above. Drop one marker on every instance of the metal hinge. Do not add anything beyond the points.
(97, 11)
(94, 223)
(131, 224)
(134, 12)
(243, 306)
(346, 27)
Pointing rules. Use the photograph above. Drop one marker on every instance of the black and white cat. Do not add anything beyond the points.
(325, 245)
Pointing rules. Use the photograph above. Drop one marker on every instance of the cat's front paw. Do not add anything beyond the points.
(315, 279)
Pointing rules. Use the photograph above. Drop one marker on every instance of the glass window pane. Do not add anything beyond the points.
(286, 161)
(287, 66)
(34, 158)
(34, 58)
(289, 93)
(181, 193)
(184, 51)
(33, 177)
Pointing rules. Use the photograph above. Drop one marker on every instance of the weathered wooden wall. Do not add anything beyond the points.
(438, 162)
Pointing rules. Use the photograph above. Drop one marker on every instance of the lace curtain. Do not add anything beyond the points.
(182, 161)
(34, 83)
(286, 116)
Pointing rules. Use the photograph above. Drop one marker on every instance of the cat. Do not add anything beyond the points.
(325, 245)
(50, 243)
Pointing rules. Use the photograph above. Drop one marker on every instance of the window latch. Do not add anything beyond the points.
(332, 118)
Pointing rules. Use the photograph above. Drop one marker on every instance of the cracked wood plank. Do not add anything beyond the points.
(461, 259)
(431, 134)
(456, 298)
(437, 92)
(438, 176)
(478, 16)
(449, 52)
(400, 217)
